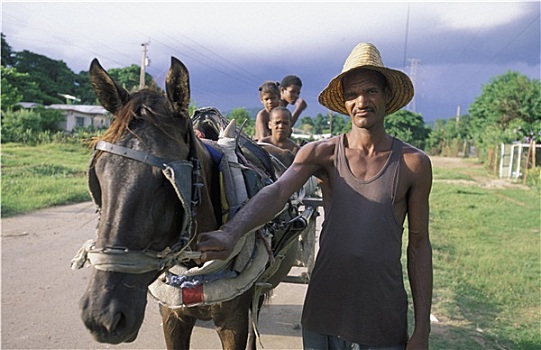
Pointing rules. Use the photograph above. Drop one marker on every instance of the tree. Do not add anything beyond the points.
(449, 137)
(52, 77)
(7, 53)
(15, 86)
(307, 124)
(321, 124)
(10, 93)
(128, 78)
(508, 100)
(340, 124)
(241, 117)
(83, 89)
(408, 127)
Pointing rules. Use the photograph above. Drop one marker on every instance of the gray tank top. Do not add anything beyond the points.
(356, 290)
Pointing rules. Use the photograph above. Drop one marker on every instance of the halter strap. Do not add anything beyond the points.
(120, 259)
(132, 154)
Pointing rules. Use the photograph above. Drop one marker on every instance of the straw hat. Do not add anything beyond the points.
(366, 55)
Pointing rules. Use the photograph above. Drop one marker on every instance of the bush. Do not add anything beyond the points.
(39, 126)
(16, 126)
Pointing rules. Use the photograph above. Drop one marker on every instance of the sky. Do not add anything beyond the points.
(449, 49)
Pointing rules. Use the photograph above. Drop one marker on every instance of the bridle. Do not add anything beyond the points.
(185, 176)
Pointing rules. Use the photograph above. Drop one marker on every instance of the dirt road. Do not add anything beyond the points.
(40, 293)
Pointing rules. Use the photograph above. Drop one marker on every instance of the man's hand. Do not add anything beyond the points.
(215, 245)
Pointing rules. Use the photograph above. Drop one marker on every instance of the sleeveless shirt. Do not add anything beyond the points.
(356, 290)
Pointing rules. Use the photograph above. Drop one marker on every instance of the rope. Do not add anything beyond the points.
(118, 259)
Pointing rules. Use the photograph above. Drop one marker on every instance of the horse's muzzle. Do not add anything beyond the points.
(113, 307)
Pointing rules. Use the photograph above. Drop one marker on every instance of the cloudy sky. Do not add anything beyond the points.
(450, 49)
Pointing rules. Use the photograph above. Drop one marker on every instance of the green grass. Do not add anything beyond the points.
(486, 243)
(486, 255)
(36, 177)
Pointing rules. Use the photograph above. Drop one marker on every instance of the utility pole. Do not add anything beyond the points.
(413, 72)
(144, 62)
(330, 123)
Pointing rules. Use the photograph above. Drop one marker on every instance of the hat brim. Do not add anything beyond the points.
(401, 90)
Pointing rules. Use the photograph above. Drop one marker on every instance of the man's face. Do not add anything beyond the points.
(269, 100)
(291, 93)
(280, 124)
(365, 96)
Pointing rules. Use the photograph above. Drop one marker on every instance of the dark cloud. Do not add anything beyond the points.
(455, 53)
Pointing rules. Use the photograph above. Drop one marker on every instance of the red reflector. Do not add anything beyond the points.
(192, 296)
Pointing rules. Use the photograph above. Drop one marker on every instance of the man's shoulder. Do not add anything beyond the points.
(329, 142)
(320, 148)
(415, 159)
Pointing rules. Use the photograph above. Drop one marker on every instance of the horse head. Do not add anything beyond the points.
(143, 215)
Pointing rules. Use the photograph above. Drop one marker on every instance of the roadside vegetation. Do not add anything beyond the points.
(36, 177)
(485, 236)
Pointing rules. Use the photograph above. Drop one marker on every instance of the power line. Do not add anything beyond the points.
(496, 55)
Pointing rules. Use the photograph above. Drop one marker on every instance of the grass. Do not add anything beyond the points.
(36, 177)
(486, 243)
(486, 255)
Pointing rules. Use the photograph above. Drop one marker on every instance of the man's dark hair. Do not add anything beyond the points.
(290, 80)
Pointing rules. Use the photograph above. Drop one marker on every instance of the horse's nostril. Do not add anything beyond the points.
(116, 323)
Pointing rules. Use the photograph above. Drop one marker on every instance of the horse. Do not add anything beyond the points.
(146, 222)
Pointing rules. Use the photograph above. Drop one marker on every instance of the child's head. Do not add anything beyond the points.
(269, 93)
(290, 88)
(280, 123)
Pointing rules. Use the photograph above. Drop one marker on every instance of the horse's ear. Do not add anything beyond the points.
(112, 97)
(177, 86)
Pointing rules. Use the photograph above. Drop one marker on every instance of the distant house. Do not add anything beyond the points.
(77, 115)
(83, 116)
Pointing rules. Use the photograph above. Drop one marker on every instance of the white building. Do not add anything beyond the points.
(83, 116)
(77, 115)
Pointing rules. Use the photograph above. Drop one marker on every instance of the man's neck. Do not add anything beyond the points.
(369, 141)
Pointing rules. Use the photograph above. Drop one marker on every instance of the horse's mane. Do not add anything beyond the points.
(147, 105)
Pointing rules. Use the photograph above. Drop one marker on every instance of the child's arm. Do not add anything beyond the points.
(300, 106)
(261, 125)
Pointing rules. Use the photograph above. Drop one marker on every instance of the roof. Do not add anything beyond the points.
(28, 105)
(85, 109)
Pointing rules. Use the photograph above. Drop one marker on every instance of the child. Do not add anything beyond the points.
(290, 89)
(269, 93)
(280, 126)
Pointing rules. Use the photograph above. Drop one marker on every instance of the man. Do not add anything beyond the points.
(280, 126)
(370, 182)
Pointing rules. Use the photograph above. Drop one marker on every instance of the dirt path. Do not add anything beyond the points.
(40, 293)
(479, 181)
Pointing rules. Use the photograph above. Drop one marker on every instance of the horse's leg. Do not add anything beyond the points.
(177, 328)
(233, 320)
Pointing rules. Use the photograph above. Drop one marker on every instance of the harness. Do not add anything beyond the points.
(257, 255)
(185, 176)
